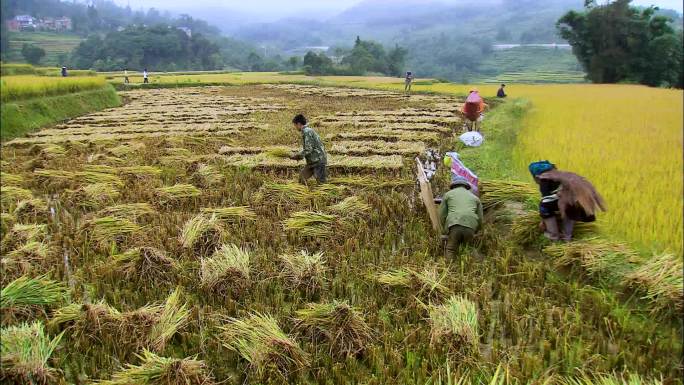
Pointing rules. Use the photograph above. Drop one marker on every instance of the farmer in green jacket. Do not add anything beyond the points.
(461, 215)
(313, 153)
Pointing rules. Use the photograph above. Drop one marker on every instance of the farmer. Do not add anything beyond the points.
(313, 153)
(407, 81)
(473, 109)
(461, 215)
(145, 76)
(501, 93)
(64, 72)
(126, 81)
(565, 195)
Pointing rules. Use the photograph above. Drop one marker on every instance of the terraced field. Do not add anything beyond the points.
(165, 242)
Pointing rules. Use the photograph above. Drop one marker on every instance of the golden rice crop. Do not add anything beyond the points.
(148, 327)
(8, 179)
(226, 271)
(207, 176)
(27, 86)
(31, 209)
(202, 233)
(230, 213)
(268, 350)
(31, 251)
(26, 350)
(20, 234)
(12, 195)
(662, 280)
(338, 324)
(145, 263)
(157, 370)
(95, 195)
(304, 271)
(179, 191)
(455, 324)
(597, 256)
(496, 192)
(312, 224)
(614, 146)
(131, 211)
(25, 291)
(351, 206)
(105, 230)
(426, 285)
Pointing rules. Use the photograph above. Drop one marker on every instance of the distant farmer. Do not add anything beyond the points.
(473, 109)
(313, 153)
(461, 215)
(567, 196)
(64, 72)
(407, 81)
(501, 93)
(145, 76)
(126, 81)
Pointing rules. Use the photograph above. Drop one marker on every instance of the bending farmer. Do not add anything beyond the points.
(461, 215)
(565, 195)
(313, 153)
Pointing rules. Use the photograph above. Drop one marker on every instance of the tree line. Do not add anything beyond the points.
(365, 57)
(617, 42)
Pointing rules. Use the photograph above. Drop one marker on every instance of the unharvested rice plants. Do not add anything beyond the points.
(27, 86)
(617, 144)
(169, 242)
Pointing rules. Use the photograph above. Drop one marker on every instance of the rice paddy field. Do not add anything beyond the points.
(166, 242)
(20, 87)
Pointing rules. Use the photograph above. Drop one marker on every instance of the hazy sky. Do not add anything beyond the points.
(271, 8)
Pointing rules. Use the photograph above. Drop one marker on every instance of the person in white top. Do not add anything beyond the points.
(145, 78)
(126, 81)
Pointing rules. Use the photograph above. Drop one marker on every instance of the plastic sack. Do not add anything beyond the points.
(459, 169)
(472, 139)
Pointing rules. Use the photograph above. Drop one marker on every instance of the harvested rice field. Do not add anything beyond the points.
(167, 242)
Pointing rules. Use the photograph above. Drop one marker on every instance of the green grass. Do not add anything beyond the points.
(54, 44)
(493, 159)
(21, 117)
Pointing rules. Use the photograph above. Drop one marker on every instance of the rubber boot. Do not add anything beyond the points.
(568, 227)
(551, 232)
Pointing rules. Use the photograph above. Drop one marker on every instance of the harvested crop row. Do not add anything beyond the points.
(352, 162)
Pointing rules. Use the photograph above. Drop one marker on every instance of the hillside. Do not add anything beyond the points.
(57, 46)
(531, 65)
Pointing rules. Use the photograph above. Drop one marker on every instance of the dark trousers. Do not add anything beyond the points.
(458, 236)
(126, 80)
(146, 81)
(318, 170)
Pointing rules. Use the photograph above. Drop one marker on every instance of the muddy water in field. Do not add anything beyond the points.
(535, 321)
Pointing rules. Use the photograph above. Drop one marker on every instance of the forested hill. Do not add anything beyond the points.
(390, 21)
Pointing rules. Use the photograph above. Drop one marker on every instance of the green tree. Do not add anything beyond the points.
(617, 42)
(396, 61)
(317, 64)
(32, 53)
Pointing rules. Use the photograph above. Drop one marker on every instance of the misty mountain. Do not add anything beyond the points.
(400, 21)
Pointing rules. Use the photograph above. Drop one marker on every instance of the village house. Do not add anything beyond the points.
(30, 23)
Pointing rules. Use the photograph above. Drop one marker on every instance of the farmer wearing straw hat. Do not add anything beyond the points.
(461, 215)
(313, 152)
(565, 195)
